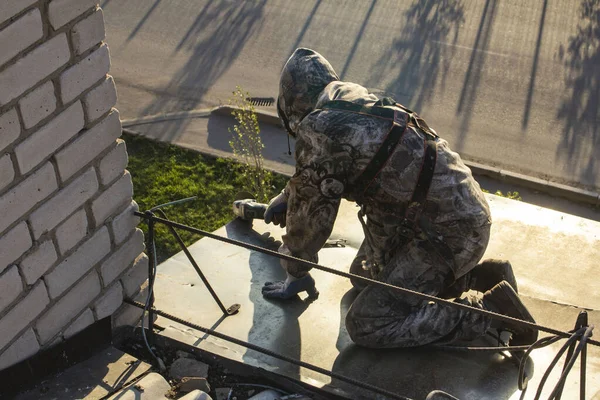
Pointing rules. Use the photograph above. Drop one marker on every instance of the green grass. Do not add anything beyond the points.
(163, 173)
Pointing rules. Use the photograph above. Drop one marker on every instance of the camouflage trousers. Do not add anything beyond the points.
(385, 318)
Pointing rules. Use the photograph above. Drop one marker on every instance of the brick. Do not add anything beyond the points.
(78, 264)
(33, 67)
(134, 278)
(109, 302)
(84, 74)
(101, 99)
(21, 34)
(63, 11)
(10, 129)
(10, 287)
(10, 8)
(68, 307)
(49, 138)
(114, 163)
(15, 203)
(38, 104)
(13, 244)
(88, 32)
(124, 223)
(112, 198)
(7, 172)
(23, 348)
(70, 232)
(128, 315)
(23, 313)
(64, 203)
(82, 322)
(122, 258)
(88, 145)
(38, 262)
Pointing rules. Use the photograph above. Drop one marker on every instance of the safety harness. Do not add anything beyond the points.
(401, 118)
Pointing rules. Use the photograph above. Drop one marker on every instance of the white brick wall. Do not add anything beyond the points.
(88, 145)
(83, 321)
(38, 104)
(61, 205)
(33, 67)
(9, 8)
(84, 74)
(21, 198)
(21, 315)
(63, 11)
(134, 278)
(65, 239)
(7, 172)
(13, 244)
(112, 198)
(38, 262)
(113, 164)
(100, 100)
(23, 348)
(78, 264)
(88, 32)
(70, 232)
(123, 224)
(109, 302)
(68, 307)
(10, 286)
(122, 258)
(9, 128)
(21, 34)
(49, 138)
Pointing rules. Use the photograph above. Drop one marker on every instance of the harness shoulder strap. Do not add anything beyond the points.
(400, 117)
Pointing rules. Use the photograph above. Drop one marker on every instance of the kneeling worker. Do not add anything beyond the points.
(425, 219)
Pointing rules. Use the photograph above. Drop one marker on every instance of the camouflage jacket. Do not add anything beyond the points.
(332, 149)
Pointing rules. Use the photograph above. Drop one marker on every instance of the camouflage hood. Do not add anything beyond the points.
(305, 75)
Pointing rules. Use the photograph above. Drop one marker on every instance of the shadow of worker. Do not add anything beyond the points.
(415, 372)
(275, 324)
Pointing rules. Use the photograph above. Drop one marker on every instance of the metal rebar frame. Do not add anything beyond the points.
(581, 333)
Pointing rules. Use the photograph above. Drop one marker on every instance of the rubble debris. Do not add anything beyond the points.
(189, 384)
(222, 393)
(152, 386)
(183, 354)
(187, 368)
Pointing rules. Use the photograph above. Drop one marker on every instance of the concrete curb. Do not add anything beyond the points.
(541, 185)
(513, 178)
(267, 117)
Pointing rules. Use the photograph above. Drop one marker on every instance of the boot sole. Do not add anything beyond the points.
(529, 335)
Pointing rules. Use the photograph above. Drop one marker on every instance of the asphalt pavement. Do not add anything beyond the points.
(513, 84)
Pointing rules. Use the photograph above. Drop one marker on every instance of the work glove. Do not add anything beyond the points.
(290, 288)
(276, 211)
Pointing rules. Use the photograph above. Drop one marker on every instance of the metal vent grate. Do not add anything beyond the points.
(261, 101)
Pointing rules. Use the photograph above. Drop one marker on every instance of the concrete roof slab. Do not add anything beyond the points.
(314, 332)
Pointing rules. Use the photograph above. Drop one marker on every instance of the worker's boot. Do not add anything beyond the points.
(502, 299)
(489, 273)
(356, 268)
